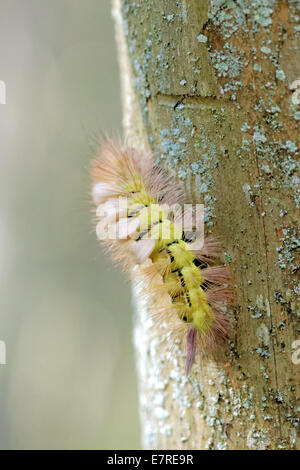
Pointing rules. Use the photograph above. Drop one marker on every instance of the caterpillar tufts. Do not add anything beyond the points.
(140, 225)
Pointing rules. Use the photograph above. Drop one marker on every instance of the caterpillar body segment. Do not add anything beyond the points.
(134, 199)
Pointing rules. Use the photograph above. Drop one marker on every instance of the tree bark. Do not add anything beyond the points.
(206, 86)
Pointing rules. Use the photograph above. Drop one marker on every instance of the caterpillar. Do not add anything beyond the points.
(133, 197)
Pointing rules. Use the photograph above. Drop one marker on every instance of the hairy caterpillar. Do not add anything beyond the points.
(171, 264)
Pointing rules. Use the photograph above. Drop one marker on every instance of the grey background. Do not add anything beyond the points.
(65, 311)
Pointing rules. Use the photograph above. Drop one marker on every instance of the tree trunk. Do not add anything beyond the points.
(207, 87)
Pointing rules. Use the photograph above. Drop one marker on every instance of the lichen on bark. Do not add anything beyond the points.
(206, 86)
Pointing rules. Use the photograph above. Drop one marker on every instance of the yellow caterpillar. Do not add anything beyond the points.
(136, 224)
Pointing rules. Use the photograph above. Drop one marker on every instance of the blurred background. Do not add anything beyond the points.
(65, 311)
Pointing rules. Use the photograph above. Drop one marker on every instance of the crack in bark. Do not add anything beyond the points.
(191, 101)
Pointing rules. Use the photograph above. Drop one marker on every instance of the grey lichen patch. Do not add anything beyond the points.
(262, 12)
(280, 75)
(288, 250)
(202, 168)
(290, 168)
(258, 439)
(296, 115)
(202, 38)
(229, 16)
(266, 50)
(259, 136)
(263, 352)
(173, 144)
(256, 313)
(245, 127)
(227, 258)
(228, 62)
